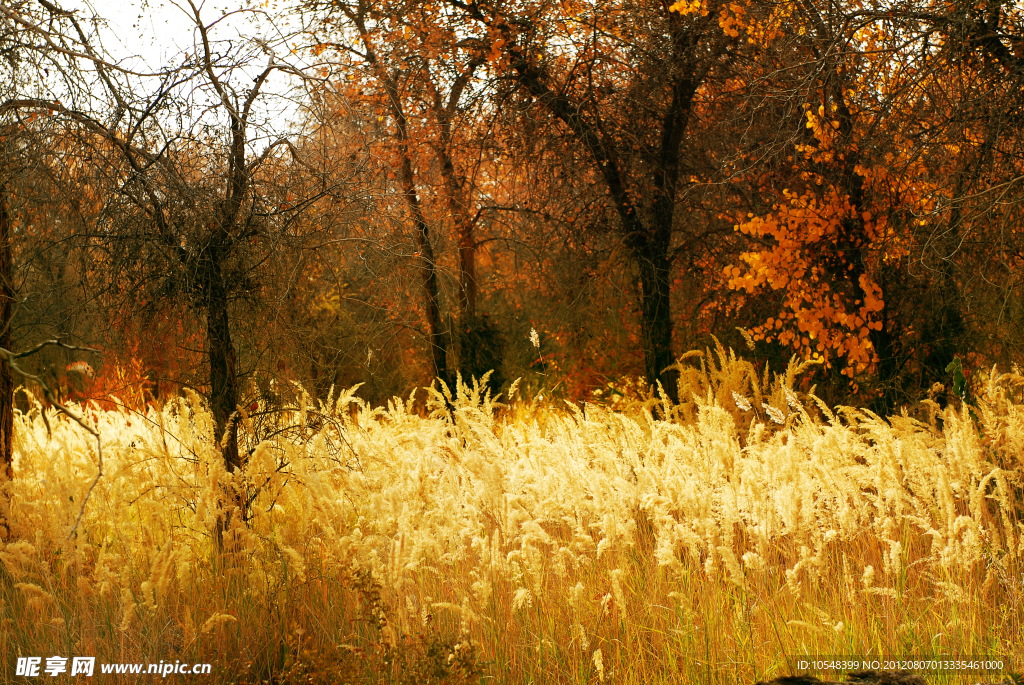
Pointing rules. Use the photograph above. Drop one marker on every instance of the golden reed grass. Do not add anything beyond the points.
(524, 544)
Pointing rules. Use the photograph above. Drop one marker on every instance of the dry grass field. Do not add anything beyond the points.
(523, 543)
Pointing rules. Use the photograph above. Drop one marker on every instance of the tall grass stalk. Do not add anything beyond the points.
(524, 543)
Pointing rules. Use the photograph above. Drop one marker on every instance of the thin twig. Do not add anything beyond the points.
(48, 343)
(11, 359)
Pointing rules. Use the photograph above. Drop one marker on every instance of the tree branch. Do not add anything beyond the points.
(11, 360)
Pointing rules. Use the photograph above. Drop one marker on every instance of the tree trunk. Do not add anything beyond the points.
(6, 378)
(473, 331)
(467, 269)
(467, 272)
(223, 378)
(428, 269)
(656, 318)
(653, 253)
(463, 228)
(435, 335)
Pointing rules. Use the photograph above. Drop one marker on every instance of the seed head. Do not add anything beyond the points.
(776, 415)
(742, 402)
(791, 399)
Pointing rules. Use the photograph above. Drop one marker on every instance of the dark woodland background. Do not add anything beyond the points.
(387, 192)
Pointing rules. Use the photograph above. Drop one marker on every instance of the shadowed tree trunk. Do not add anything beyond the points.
(223, 376)
(648, 242)
(428, 265)
(223, 392)
(656, 321)
(6, 378)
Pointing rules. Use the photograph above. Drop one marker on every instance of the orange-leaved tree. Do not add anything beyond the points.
(858, 225)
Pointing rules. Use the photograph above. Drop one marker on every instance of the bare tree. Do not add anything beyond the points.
(191, 212)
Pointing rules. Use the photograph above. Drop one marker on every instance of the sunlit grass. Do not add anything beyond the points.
(524, 543)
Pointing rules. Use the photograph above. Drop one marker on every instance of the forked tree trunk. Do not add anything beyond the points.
(6, 378)
(653, 253)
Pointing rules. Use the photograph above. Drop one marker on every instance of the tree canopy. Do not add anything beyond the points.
(840, 181)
